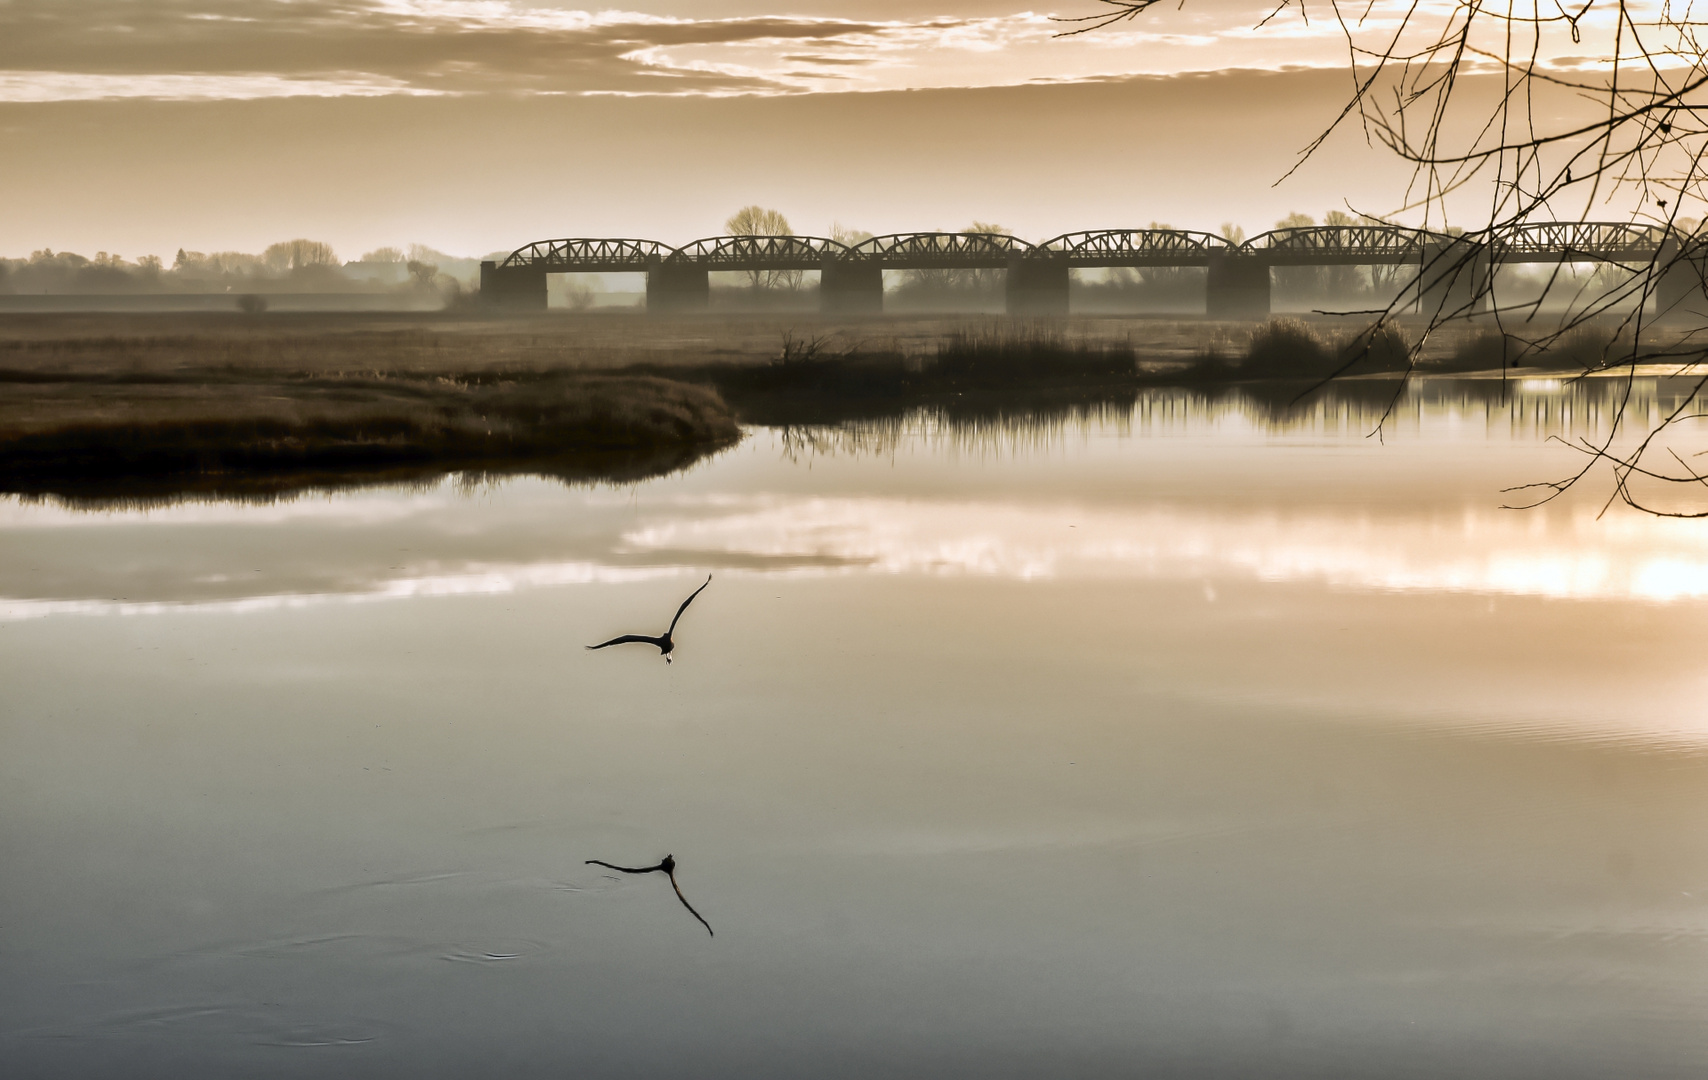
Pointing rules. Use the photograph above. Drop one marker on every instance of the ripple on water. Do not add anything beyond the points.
(258, 1025)
(319, 1035)
(491, 952)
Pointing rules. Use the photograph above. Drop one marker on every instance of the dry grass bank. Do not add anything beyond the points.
(235, 431)
(450, 343)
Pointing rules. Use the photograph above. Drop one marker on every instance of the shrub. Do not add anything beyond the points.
(1286, 349)
(1584, 348)
(1383, 349)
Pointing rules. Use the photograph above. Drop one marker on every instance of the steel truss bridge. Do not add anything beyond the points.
(1452, 268)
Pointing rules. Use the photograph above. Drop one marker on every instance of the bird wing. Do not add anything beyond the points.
(638, 639)
(683, 608)
(678, 888)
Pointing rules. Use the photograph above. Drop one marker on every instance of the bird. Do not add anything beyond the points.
(665, 644)
(668, 865)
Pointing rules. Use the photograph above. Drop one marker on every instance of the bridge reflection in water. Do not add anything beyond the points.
(1454, 273)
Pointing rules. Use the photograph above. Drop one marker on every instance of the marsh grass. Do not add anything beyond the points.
(983, 371)
(1004, 370)
(1293, 349)
(1585, 348)
(223, 430)
(1041, 353)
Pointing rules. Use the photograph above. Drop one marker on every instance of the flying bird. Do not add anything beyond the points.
(665, 644)
(669, 868)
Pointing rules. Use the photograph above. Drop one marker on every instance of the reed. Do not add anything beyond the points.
(222, 424)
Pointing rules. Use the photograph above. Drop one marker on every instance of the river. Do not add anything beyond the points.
(1199, 739)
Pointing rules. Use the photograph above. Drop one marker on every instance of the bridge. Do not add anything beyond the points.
(1454, 275)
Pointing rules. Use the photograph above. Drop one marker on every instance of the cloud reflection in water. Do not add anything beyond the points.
(507, 542)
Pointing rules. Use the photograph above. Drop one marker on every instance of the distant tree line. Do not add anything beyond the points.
(289, 266)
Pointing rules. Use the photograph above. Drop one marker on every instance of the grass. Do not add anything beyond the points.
(218, 431)
(1001, 368)
(1293, 349)
(1032, 354)
(1583, 348)
(974, 371)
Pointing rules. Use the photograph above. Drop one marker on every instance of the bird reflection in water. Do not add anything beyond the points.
(668, 866)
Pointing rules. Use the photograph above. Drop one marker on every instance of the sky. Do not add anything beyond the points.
(142, 126)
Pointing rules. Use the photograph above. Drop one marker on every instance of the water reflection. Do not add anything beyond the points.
(1180, 487)
(1534, 408)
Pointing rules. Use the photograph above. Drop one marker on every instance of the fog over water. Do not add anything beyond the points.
(1201, 738)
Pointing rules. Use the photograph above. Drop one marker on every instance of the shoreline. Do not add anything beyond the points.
(256, 434)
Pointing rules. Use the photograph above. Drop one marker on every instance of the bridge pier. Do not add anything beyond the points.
(672, 287)
(1683, 285)
(512, 288)
(849, 287)
(1036, 286)
(1236, 287)
(1455, 278)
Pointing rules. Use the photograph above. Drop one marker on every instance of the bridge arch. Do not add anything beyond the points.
(1342, 244)
(941, 250)
(759, 252)
(1136, 247)
(1580, 241)
(586, 255)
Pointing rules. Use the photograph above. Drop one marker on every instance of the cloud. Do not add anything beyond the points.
(33, 86)
(191, 48)
(200, 49)
(194, 49)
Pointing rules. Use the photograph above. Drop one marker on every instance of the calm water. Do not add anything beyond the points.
(1185, 742)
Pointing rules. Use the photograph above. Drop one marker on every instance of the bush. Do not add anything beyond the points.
(1286, 349)
(1383, 349)
(1291, 349)
(251, 304)
(1585, 348)
(1031, 353)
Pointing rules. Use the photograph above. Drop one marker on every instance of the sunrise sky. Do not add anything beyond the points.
(142, 126)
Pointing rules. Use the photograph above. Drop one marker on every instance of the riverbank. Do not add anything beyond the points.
(235, 433)
(118, 406)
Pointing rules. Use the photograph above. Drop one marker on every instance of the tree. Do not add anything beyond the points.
(936, 280)
(384, 255)
(985, 280)
(758, 221)
(422, 274)
(1467, 92)
(1318, 284)
(292, 256)
(846, 236)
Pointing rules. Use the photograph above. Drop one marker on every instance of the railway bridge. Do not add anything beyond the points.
(1454, 272)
